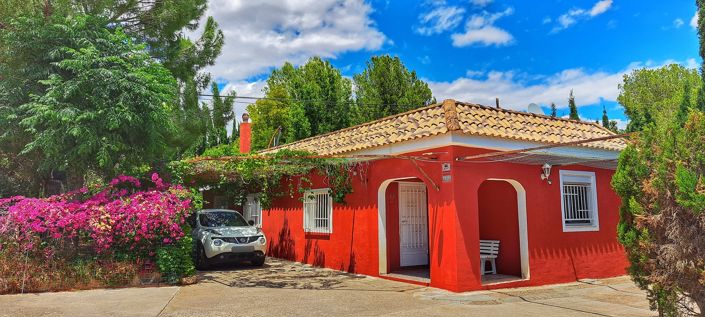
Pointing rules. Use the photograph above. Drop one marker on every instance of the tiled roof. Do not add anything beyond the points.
(466, 118)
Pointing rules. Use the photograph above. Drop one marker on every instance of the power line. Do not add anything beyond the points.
(310, 101)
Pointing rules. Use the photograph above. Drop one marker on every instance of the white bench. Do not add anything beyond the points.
(489, 249)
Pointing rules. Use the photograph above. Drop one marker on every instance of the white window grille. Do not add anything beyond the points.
(253, 209)
(318, 211)
(579, 201)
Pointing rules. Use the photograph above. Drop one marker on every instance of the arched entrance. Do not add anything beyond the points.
(502, 217)
(403, 229)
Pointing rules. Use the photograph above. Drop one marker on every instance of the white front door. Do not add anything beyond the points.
(413, 224)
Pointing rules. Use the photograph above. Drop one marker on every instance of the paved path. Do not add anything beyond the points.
(289, 289)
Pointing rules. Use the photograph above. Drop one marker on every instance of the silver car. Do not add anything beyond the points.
(223, 235)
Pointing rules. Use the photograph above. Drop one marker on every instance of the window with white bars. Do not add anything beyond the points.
(253, 209)
(579, 201)
(318, 211)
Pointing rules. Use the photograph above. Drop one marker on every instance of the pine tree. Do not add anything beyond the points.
(553, 109)
(573, 108)
(221, 114)
(605, 119)
(387, 87)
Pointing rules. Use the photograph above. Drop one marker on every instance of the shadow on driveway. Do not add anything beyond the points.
(277, 274)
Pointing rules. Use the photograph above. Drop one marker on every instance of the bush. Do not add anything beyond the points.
(102, 236)
(661, 181)
(175, 261)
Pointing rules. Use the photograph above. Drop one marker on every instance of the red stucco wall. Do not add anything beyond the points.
(392, 199)
(499, 220)
(454, 225)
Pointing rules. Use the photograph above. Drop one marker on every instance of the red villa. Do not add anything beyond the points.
(471, 181)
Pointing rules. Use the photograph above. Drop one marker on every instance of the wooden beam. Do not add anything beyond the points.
(435, 186)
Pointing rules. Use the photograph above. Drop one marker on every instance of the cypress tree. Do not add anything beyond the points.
(553, 109)
(573, 108)
(605, 119)
(235, 135)
(701, 37)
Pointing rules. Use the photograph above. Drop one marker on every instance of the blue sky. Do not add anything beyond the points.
(469, 50)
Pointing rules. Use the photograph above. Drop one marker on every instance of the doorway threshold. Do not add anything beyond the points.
(494, 279)
(419, 275)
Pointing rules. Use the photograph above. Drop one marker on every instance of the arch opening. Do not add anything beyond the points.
(403, 229)
(502, 218)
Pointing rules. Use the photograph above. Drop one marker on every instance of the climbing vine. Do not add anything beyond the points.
(271, 176)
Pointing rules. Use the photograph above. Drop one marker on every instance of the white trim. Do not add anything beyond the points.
(252, 204)
(523, 227)
(590, 176)
(382, 222)
(484, 142)
(328, 212)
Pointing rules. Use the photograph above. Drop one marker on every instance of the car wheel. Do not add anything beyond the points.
(201, 259)
(258, 261)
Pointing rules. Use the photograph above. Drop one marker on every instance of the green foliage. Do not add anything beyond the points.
(223, 150)
(572, 107)
(689, 187)
(221, 113)
(655, 95)
(387, 87)
(305, 101)
(32, 33)
(175, 261)
(700, 104)
(269, 175)
(315, 98)
(186, 59)
(268, 115)
(553, 110)
(105, 102)
(660, 182)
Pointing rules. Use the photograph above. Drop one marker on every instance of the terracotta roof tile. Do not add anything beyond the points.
(448, 116)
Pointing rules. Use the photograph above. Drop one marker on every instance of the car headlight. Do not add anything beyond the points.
(217, 242)
(262, 240)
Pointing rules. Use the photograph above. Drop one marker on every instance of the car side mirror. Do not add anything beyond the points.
(251, 222)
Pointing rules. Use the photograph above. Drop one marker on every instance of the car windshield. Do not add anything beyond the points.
(222, 219)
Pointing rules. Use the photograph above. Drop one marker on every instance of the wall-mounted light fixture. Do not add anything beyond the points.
(546, 168)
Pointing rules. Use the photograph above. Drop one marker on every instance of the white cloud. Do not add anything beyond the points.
(480, 29)
(573, 15)
(474, 73)
(247, 89)
(691, 63)
(260, 35)
(546, 20)
(440, 19)
(600, 7)
(678, 23)
(516, 92)
(694, 21)
(481, 3)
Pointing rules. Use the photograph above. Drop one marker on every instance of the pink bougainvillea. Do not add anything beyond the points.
(120, 216)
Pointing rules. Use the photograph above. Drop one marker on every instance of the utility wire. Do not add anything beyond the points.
(212, 97)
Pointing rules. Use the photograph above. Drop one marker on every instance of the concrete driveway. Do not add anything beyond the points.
(289, 289)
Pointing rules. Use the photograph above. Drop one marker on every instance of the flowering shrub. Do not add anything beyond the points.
(121, 218)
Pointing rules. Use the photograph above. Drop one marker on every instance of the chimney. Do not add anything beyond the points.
(245, 134)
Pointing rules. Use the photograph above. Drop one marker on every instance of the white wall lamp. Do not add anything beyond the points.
(546, 172)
